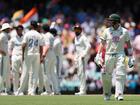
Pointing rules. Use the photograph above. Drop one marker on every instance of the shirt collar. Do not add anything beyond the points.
(112, 29)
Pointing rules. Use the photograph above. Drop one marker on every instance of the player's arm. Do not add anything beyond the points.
(98, 59)
(130, 51)
(100, 48)
(45, 49)
(23, 50)
(102, 42)
(24, 44)
(44, 52)
(41, 47)
(11, 46)
(41, 50)
(1, 51)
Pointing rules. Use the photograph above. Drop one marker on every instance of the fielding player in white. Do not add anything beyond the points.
(82, 47)
(15, 46)
(4, 60)
(58, 51)
(45, 28)
(32, 43)
(49, 59)
(114, 38)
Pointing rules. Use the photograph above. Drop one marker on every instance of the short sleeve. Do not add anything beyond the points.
(25, 38)
(104, 35)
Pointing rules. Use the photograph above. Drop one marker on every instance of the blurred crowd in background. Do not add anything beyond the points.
(91, 15)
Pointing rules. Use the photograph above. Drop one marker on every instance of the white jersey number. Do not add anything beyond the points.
(33, 42)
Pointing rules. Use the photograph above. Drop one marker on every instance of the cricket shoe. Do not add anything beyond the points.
(119, 98)
(4, 94)
(80, 93)
(19, 94)
(55, 93)
(45, 94)
(31, 94)
(40, 91)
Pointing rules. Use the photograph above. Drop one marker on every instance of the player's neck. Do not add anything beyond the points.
(115, 27)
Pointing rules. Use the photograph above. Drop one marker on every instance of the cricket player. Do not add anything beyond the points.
(49, 60)
(4, 60)
(32, 43)
(45, 28)
(82, 47)
(58, 51)
(114, 38)
(15, 46)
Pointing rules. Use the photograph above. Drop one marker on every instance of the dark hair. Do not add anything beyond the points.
(19, 26)
(53, 31)
(34, 24)
(46, 28)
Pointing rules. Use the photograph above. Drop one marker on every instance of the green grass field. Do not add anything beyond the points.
(67, 100)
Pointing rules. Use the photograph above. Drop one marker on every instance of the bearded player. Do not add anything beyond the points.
(114, 38)
(82, 47)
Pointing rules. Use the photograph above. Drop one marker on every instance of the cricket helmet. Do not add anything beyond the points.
(114, 17)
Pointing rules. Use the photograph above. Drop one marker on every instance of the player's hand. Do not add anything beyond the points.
(98, 60)
(42, 58)
(3, 53)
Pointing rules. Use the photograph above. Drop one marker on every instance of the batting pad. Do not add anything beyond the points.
(119, 85)
(107, 83)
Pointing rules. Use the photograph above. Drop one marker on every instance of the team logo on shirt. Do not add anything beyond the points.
(115, 39)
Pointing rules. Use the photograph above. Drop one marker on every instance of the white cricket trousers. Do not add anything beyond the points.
(41, 78)
(114, 62)
(4, 73)
(81, 66)
(59, 62)
(16, 66)
(31, 69)
(50, 73)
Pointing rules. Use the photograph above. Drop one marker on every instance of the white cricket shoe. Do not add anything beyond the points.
(45, 94)
(55, 93)
(31, 94)
(120, 98)
(4, 94)
(18, 94)
(80, 93)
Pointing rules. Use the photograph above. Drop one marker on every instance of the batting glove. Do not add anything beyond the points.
(131, 62)
(98, 60)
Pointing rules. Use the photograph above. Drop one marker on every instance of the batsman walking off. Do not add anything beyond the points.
(114, 38)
